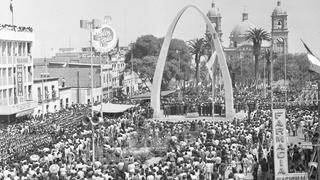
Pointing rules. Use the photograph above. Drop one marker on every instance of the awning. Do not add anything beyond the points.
(24, 113)
(113, 108)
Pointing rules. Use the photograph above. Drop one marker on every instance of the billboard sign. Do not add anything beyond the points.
(280, 142)
(20, 80)
(104, 39)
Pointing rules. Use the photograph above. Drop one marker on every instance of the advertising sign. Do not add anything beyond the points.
(104, 39)
(280, 142)
(19, 80)
(293, 176)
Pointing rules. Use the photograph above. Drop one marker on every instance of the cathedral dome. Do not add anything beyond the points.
(239, 31)
(213, 12)
(278, 10)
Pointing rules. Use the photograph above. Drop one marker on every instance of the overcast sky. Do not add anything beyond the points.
(56, 22)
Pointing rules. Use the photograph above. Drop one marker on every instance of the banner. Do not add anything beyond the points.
(19, 80)
(293, 176)
(280, 142)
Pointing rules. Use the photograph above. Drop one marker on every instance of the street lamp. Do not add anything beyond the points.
(93, 24)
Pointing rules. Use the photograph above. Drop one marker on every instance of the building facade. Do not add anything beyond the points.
(46, 93)
(131, 83)
(241, 49)
(16, 72)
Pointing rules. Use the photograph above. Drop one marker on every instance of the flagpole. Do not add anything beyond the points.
(11, 9)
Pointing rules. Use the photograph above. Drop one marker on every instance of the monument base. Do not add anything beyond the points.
(192, 115)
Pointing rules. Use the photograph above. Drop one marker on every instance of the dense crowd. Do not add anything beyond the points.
(60, 146)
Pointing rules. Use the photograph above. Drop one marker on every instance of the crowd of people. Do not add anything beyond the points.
(62, 146)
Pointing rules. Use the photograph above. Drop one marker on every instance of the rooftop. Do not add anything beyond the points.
(9, 27)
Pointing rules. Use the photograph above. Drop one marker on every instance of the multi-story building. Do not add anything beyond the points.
(131, 82)
(46, 93)
(16, 72)
(77, 77)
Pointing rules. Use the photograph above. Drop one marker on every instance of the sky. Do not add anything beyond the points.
(56, 22)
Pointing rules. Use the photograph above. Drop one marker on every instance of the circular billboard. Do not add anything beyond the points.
(104, 39)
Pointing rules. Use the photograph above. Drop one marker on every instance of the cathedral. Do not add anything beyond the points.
(241, 49)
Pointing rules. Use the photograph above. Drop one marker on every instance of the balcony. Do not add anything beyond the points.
(10, 59)
(4, 60)
(5, 102)
(11, 81)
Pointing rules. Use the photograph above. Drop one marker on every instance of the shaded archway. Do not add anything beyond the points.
(157, 78)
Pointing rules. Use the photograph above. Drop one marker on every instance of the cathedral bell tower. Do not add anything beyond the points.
(215, 18)
(279, 31)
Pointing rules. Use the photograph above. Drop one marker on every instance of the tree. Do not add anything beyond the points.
(144, 56)
(204, 74)
(257, 35)
(197, 48)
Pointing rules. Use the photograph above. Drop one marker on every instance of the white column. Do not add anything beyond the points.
(5, 94)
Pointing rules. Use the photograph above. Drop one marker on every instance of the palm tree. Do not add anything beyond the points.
(257, 35)
(196, 48)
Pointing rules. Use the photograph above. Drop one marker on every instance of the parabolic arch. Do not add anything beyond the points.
(157, 78)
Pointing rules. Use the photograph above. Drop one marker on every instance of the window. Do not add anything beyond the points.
(67, 102)
(19, 49)
(39, 94)
(279, 24)
(61, 103)
(14, 44)
(29, 48)
(3, 49)
(9, 48)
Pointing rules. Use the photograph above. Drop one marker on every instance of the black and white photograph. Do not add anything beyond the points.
(159, 90)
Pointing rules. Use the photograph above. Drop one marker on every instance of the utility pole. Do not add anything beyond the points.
(318, 128)
(85, 24)
(132, 46)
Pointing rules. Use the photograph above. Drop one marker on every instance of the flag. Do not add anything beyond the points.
(308, 49)
(11, 6)
(84, 24)
(117, 46)
(314, 61)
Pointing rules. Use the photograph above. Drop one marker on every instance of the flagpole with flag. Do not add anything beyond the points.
(315, 66)
(11, 9)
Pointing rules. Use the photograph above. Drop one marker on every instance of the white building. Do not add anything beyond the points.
(107, 80)
(131, 83)
(16, 72)
(46, 93)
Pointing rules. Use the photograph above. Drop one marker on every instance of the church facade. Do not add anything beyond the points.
(241, 49)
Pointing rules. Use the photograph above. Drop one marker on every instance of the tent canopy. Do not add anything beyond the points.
(113, 108)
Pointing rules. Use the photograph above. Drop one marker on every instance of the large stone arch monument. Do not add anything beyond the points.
(157, 78)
